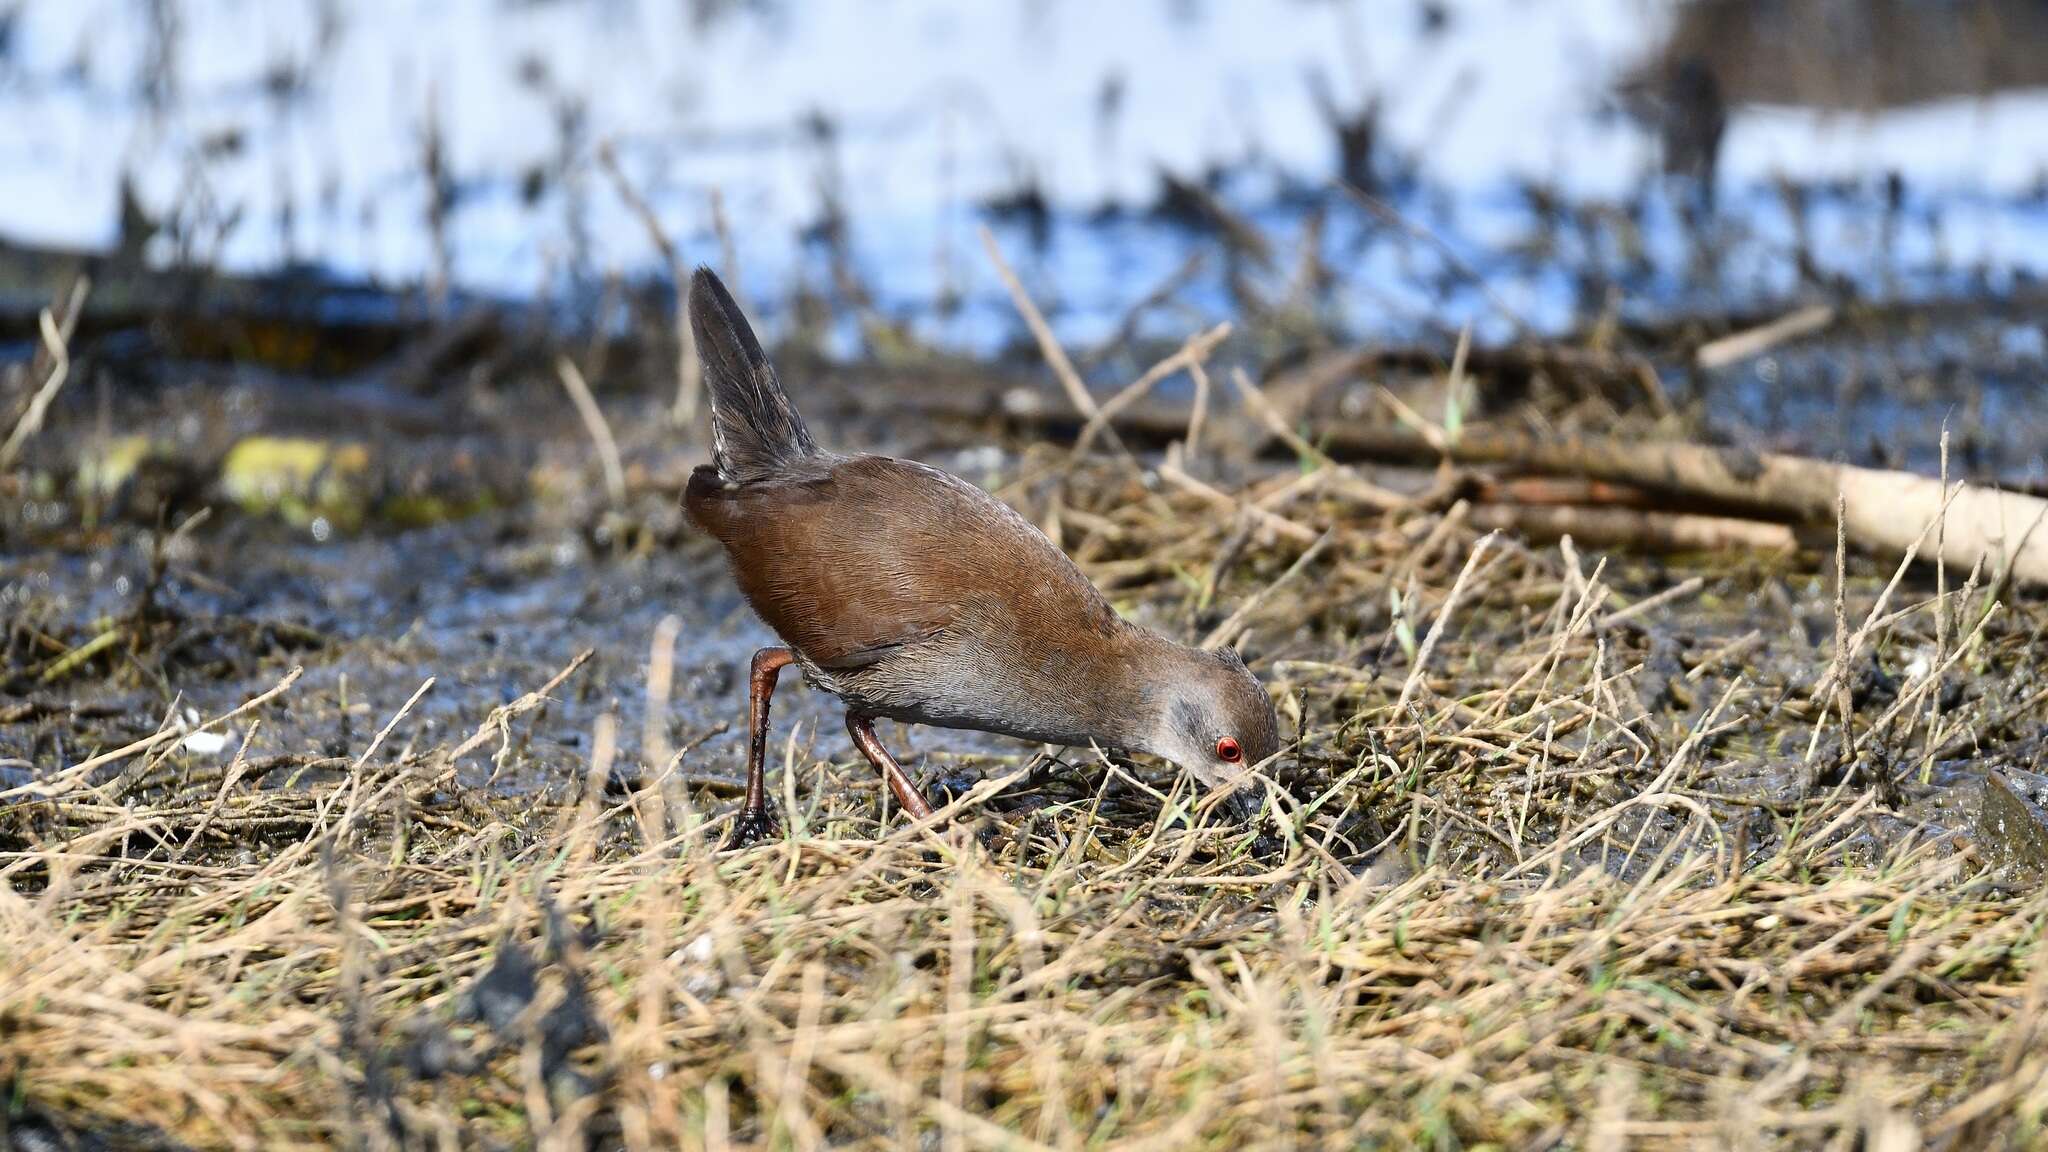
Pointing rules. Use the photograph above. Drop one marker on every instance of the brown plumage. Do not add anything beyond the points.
(913, 595)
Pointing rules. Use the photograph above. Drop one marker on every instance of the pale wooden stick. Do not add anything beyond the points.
(1752, 342)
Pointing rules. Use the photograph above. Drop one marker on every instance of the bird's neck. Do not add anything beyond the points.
(1143, 673)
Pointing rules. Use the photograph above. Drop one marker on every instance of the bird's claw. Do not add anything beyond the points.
(750, 828)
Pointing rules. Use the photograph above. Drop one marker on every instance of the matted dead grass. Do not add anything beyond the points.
(1571, 857)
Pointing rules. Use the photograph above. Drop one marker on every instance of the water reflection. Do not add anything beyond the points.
(844, 152)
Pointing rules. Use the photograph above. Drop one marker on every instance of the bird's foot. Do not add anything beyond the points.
(750, 828)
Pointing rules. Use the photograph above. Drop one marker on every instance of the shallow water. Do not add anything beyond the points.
(260, 133)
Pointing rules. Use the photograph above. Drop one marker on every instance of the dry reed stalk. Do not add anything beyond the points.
(53, 361)
(1048, 344)
(1188, 358)
(599, 429)
(689, 369)
(1198, 412)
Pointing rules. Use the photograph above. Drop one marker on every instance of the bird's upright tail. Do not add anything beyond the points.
(755, 430)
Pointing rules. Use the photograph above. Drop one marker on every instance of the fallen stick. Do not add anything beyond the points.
(1634, 528)
(1752, 342)
(1882, 511)
(1553, 490)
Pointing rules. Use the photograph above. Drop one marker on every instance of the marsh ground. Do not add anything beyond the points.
(1553, 868)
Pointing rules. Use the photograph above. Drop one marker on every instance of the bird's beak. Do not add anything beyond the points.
(1243, 804)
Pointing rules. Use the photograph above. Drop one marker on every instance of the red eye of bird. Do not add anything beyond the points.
(1229, 750)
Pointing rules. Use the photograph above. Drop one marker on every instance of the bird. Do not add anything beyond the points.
(913, 595)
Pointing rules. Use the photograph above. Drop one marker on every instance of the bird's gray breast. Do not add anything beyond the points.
(949, 684)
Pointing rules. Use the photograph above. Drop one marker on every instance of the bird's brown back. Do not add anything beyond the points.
(860, 557)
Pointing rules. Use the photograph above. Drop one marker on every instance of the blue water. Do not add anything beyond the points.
(258, 132)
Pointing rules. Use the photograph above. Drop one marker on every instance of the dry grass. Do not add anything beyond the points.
(1556, 870)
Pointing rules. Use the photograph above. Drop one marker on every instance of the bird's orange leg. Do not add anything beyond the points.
(755, 820)
(862, 729)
